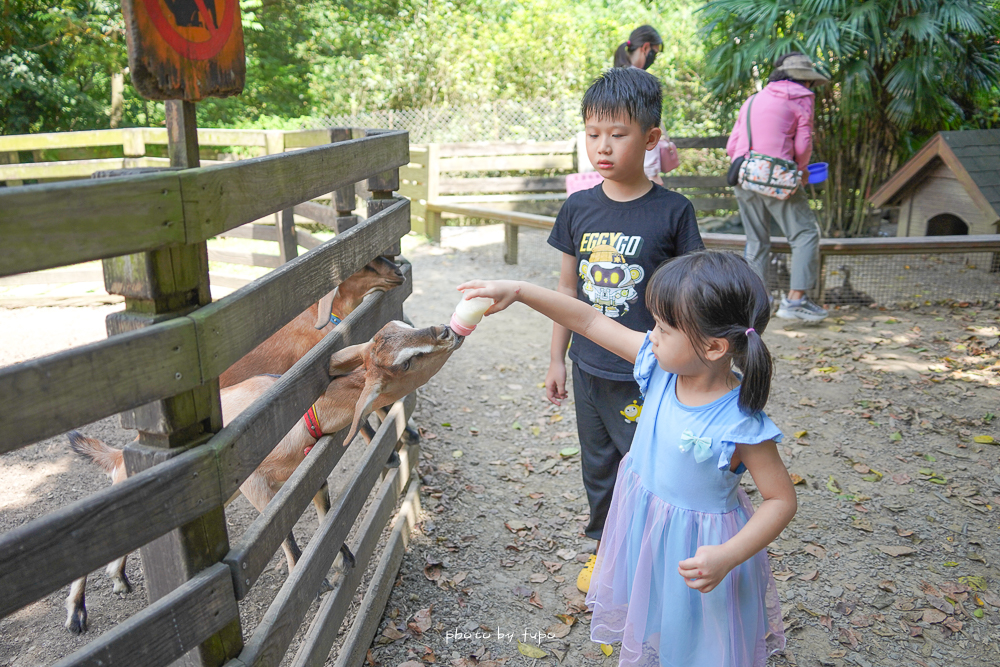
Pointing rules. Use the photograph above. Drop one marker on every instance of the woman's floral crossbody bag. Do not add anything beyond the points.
(769, 176)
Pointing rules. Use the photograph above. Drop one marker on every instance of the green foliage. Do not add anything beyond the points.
(413, 54)
(56, 60)
(900, 71)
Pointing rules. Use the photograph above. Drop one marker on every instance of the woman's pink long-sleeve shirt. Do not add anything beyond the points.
(782, 124)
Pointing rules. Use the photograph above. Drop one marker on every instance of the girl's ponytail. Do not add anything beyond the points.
(757, 367)
(622, 58)
(639, 36)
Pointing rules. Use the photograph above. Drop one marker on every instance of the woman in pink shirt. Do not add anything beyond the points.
(781, 123)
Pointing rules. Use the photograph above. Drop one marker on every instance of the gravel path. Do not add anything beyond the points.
(891, 558)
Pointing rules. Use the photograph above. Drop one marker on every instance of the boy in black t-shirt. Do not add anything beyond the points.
(613, 236)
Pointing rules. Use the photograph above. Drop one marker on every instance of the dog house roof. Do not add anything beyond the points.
(972, 155)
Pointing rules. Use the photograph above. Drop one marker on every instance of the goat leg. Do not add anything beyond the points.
(116, 572)
(368, 433)
(411, 436)
(322, 501)
(292, 551)
(393, 461)
(349, 558)
(76, 607)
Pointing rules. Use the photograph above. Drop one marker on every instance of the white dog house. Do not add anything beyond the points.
(950, 187)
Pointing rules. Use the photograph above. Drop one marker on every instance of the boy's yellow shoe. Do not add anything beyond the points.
(583, 579)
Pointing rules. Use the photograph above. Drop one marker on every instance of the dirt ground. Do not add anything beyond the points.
(891, 559)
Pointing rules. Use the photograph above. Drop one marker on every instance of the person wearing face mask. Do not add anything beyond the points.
(640, 51)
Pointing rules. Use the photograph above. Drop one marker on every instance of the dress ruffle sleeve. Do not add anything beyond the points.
(645, 364)
(751, 430)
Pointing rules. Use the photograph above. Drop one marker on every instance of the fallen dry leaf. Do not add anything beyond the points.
(896, 551)
(934, 616)
(816, 550)
(392, 633)
(432, 571)
(552, 566)
(809, 576)
(901, 478)
(558, 630)
(796, 479)
(538, 578)
(535, 600)
(784, 576)
(887, 585)
(421, 620)
(861, 468)
(566, 618)
(459, 578)
(530, 651)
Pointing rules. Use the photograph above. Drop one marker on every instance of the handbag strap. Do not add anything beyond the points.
(749, 132)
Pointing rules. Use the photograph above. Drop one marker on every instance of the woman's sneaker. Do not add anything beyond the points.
(801, 309)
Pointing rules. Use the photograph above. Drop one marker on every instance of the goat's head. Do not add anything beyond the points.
(378, 275)
(396, 361)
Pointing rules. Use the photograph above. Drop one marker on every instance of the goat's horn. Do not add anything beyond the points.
(325, 309)
(364, 407)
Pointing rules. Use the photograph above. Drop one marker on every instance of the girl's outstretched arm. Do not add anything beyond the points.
(572, 313)
(711, 563)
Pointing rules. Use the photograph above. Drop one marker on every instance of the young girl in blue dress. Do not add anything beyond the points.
(682, 576)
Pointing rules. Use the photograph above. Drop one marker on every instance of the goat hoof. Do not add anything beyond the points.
(122, 586)
(411, 436)
(349, 558)
(77, 621)
(393, 461)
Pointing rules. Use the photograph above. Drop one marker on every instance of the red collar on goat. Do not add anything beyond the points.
(312, 423)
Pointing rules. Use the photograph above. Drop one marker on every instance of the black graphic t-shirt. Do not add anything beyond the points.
(618, 246)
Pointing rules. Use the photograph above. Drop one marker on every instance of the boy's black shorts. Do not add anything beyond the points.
(606, 412)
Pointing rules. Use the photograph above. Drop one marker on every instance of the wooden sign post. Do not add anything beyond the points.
(180, 51)
(185, 49)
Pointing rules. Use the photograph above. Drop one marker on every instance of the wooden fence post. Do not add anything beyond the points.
(11, 157)
(510, 243)
(344, 199)
(382, 187)
(284, 221)
(288, 243)
(433, 186)
(158, 286)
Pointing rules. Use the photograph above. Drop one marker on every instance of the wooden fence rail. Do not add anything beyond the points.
(161, 373)
(449, 175)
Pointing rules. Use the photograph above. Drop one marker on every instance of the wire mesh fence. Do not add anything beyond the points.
(533, 120)
(901, 280)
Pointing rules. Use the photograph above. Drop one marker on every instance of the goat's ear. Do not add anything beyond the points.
(371, 391)
(325, 309)
(347, 359)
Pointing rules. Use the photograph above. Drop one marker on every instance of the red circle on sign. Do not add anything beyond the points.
(218, 35)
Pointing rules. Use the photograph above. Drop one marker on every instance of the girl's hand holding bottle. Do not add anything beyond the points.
(503, 292)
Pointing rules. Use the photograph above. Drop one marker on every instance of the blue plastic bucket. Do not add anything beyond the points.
(817, 172)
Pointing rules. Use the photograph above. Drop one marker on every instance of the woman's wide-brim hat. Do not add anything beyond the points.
(799, 67)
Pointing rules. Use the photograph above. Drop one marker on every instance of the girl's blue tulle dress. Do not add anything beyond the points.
(674, 493)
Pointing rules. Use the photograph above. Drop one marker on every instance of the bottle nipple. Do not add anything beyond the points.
(468, 313)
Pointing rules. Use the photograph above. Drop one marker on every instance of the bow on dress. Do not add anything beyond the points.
(702, 446)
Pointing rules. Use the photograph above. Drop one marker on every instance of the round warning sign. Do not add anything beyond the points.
(195, 29)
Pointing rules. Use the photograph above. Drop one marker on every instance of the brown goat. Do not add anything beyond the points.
(366, 377)
(290, 343)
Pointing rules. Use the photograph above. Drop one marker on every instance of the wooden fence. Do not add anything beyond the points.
(73, 155)
(160, 370)
(460, 180)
